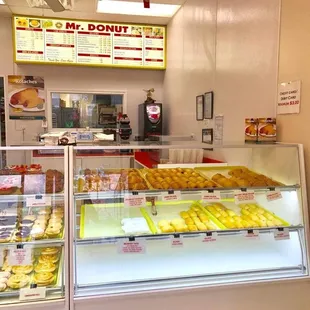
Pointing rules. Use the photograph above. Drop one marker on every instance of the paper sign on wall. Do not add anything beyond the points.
(289, 98)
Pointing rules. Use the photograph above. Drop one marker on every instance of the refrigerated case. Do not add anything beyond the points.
(146, 230)
(33, 237)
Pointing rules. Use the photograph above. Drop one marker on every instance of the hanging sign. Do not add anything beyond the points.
(44, 40)
(289, 98)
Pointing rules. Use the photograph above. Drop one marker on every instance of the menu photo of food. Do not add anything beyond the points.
(26, 97)
(34, 23)
(147, 31)
(22, 22)
(136, 30)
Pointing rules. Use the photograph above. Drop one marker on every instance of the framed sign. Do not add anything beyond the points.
(207, 135)
(49, 40)
(199, 108)
(208, 105)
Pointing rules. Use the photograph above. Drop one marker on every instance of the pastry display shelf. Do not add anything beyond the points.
(22, 198)
(227, 232)
(157, 193)
(50, 291)
(34, 243)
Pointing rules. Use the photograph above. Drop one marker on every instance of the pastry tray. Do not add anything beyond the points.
(111, 171)
(209, 172)
(104, 220)
(233, 207)
(171, 210)
(145, 171)
(58, 279)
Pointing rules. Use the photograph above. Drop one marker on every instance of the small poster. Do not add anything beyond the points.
(289, 98)
(26, 97)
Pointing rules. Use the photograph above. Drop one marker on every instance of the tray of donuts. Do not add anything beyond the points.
(98, 180)
(43, 223)
(43, 271)
(177, 178)
(237, 176)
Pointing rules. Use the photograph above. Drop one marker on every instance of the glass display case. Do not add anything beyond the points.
(239, 215)
(33, 221)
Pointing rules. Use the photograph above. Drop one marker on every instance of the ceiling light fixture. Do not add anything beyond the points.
(54, 5)
(2, 2)
(136, 8)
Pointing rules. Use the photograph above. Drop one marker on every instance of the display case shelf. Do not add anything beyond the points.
(23, 198)
(35, 243)
(224, 232)
(158, 193)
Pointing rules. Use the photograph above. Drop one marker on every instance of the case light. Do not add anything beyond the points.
(136, 8)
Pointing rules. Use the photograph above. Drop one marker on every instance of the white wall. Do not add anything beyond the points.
(79, 79)
(227, 46)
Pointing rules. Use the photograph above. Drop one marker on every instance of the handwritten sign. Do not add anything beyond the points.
(137, 201)
(289, 98)
(244, 197)
(211, 197)
(175, 196)
(38, 201)
(176, 242)
(252, 234)
(131, 247)
(20, 257)
(209, 238)
(32, 293)
(282, 234)
(274, 195)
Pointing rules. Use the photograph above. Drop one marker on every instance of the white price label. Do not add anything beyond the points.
(208, 238)
(20, 257)
(274, 195)
(244, 197)
(135, 200)
(175, 196)
(282, 234)
(211, 197)
(38, 201)
(32, 293)
(11, 180)
(251, 234)
(176, 242)
(131, 247)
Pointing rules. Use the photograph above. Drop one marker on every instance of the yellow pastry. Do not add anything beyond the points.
(18, 281)
(50, 251)
(45, 267)
(184, 215)
(44, 278)
(22, 269)
(49, 258)
(167, 229)
(163, 223)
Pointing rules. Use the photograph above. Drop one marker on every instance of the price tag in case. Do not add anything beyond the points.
(176, 241)
(282, 234)
(32, 293)
(273, 195)
(209, 237)
(38, 201)
(244, 197)
(211, 196)
(20, 257)
(131, 247)
(175, 196)
(136, 201)
(251, 234)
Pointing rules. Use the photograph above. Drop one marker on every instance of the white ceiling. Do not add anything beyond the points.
(83, 9)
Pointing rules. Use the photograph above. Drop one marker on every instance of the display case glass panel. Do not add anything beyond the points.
(235, 214)
(33, 200)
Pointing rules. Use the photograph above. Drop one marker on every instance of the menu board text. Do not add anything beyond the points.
(58, 41)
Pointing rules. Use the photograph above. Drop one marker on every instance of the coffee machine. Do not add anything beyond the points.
(150, 117)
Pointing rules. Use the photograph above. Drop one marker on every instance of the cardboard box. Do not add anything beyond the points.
(250, 130)
(267, 130)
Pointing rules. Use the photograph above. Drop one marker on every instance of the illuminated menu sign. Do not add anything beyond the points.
(57, 41)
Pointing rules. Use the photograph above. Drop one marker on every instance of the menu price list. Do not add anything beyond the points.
(55, 41)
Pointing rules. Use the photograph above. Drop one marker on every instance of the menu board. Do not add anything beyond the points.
(72, 42)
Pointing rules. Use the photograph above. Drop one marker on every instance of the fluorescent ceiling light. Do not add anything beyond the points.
(2, 2)
(136, 8)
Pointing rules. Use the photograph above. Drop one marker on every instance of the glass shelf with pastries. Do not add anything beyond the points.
(136, 228)
(33, 200)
